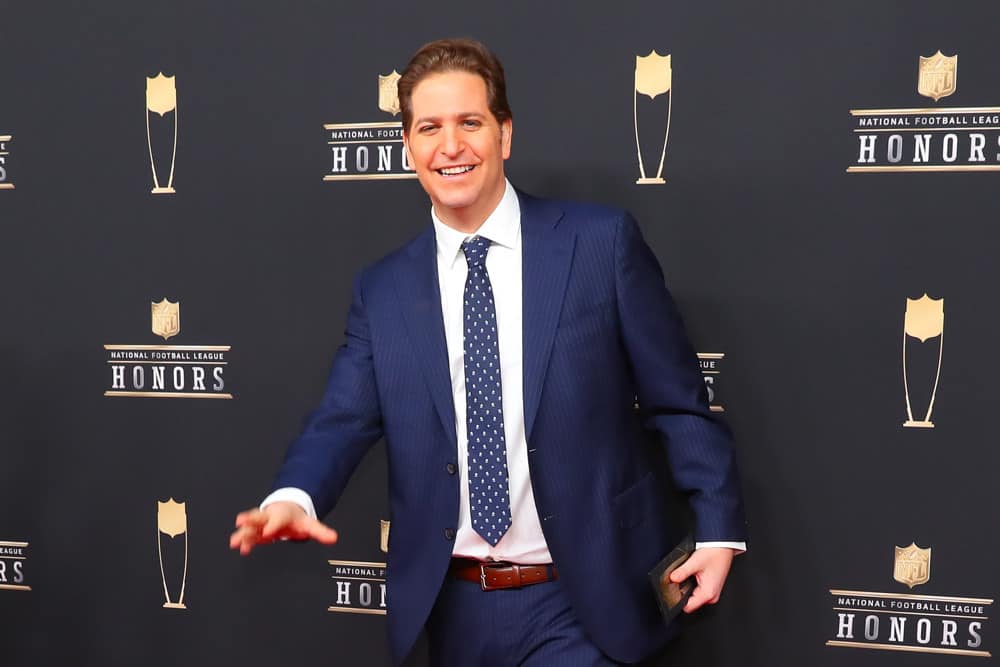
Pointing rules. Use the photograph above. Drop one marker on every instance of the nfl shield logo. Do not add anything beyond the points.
(938, 76)
(166, 319)
(913, 565)
(388, 95)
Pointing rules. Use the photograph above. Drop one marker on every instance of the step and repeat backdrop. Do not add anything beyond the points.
(187, 189)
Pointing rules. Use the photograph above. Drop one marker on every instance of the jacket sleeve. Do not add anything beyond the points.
(671, 391)
(336, 435)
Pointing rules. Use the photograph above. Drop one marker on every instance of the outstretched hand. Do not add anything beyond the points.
(277, 521)
(710, 567)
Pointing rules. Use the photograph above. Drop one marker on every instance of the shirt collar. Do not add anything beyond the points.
(502, 227)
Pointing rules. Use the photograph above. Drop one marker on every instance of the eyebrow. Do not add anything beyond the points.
(460, 116)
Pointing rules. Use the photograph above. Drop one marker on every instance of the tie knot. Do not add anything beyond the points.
(475, 250)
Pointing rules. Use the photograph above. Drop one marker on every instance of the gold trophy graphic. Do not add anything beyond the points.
(924, 320)
(161, 98)
(171, 520)
(652, 78)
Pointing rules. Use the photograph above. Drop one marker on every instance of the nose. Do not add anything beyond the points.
(451, 142)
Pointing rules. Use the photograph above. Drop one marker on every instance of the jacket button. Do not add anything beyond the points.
(449, 533)
(451, 468)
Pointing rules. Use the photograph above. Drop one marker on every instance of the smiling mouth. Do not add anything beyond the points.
(456, 171)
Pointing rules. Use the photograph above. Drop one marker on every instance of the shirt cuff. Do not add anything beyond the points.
(292, 495)
(738, 547)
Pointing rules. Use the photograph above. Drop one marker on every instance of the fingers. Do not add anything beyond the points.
(248, 530)
(284, 520)
(244, 539)
(688, 569)
(275, 523)
(278, 521)
(703, 595)
(301, 527)
(251, 516)
(709, 567)
(322, 533)
(255, 527)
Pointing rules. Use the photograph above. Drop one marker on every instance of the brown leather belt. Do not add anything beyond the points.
(495, 575)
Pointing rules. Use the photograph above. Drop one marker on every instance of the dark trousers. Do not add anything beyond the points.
(532, 626)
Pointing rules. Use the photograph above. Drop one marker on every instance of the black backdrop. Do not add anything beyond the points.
(793, 268)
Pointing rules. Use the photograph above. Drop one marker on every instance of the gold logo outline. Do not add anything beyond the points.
(923, 320)
(161, 98)
(171, 520)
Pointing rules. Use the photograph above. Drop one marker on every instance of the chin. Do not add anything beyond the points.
(456, 201)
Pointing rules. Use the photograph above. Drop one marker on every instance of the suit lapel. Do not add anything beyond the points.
(546, 255)
(420, 298)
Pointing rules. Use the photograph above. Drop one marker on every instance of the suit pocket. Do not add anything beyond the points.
(638, 502)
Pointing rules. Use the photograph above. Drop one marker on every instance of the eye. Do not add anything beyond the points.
(471, 123)
(427, 128)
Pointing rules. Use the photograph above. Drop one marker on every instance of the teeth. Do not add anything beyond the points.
(451, 171)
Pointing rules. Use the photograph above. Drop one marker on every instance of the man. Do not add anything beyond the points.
(499, 355)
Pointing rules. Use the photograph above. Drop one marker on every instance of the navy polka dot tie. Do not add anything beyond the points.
(489, 498)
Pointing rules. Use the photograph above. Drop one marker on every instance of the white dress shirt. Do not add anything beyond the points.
(524, 541)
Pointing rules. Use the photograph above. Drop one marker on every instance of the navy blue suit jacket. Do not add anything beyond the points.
(599, 330)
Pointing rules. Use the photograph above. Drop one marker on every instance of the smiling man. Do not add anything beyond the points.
(499, 354)
(457, 144)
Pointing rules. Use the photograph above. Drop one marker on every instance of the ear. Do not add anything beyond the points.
(506, 133)
(406, 147)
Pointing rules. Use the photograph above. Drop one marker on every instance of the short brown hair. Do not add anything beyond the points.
(447, 55)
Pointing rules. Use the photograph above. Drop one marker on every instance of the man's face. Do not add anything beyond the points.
(457, 147)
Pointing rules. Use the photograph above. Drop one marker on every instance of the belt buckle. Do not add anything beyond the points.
(493, 566)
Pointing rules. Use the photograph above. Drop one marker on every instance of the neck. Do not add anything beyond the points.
(458, 223)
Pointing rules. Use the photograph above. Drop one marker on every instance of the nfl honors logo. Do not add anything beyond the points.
(929, 138)
(13, 556)
(360, 584)
(711, 371)
(167, 371)
(373, 150)
(912, 622)
(5, 183)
